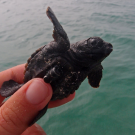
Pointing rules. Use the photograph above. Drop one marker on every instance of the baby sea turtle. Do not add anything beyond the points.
(62, 64)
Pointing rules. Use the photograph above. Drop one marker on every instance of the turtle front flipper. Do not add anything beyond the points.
(95, 76)
(59, 34)
(9, 88)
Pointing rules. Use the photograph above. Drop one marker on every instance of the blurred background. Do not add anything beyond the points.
(108, 110)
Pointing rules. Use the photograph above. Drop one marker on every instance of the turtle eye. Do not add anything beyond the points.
(99, 45)
(93, 42)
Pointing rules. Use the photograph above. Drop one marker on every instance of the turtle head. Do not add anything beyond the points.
(97, 49)
(91, 51)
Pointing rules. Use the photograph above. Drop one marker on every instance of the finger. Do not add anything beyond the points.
(34, 130)
(16, 73)
(22, 107)
(61, 102)
(1, 100)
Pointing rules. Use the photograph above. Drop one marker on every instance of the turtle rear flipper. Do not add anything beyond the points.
(9, 88)
(39, 115)
(59, 34)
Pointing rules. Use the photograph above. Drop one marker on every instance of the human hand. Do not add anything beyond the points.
(21, 108)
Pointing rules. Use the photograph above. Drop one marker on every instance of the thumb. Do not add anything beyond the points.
(21, 108)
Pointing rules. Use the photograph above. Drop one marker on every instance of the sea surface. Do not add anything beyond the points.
(108, 110)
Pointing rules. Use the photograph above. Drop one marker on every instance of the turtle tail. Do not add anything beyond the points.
(9, 88)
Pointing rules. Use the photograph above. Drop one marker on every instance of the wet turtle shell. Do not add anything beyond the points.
(62, 64)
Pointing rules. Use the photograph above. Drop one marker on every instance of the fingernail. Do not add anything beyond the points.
(37, 92)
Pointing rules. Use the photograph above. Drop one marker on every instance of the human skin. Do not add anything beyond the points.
(21, 108)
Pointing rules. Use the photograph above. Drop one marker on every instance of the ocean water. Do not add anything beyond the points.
(108, 110)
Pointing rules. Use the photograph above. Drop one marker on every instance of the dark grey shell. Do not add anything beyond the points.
(69, 80)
